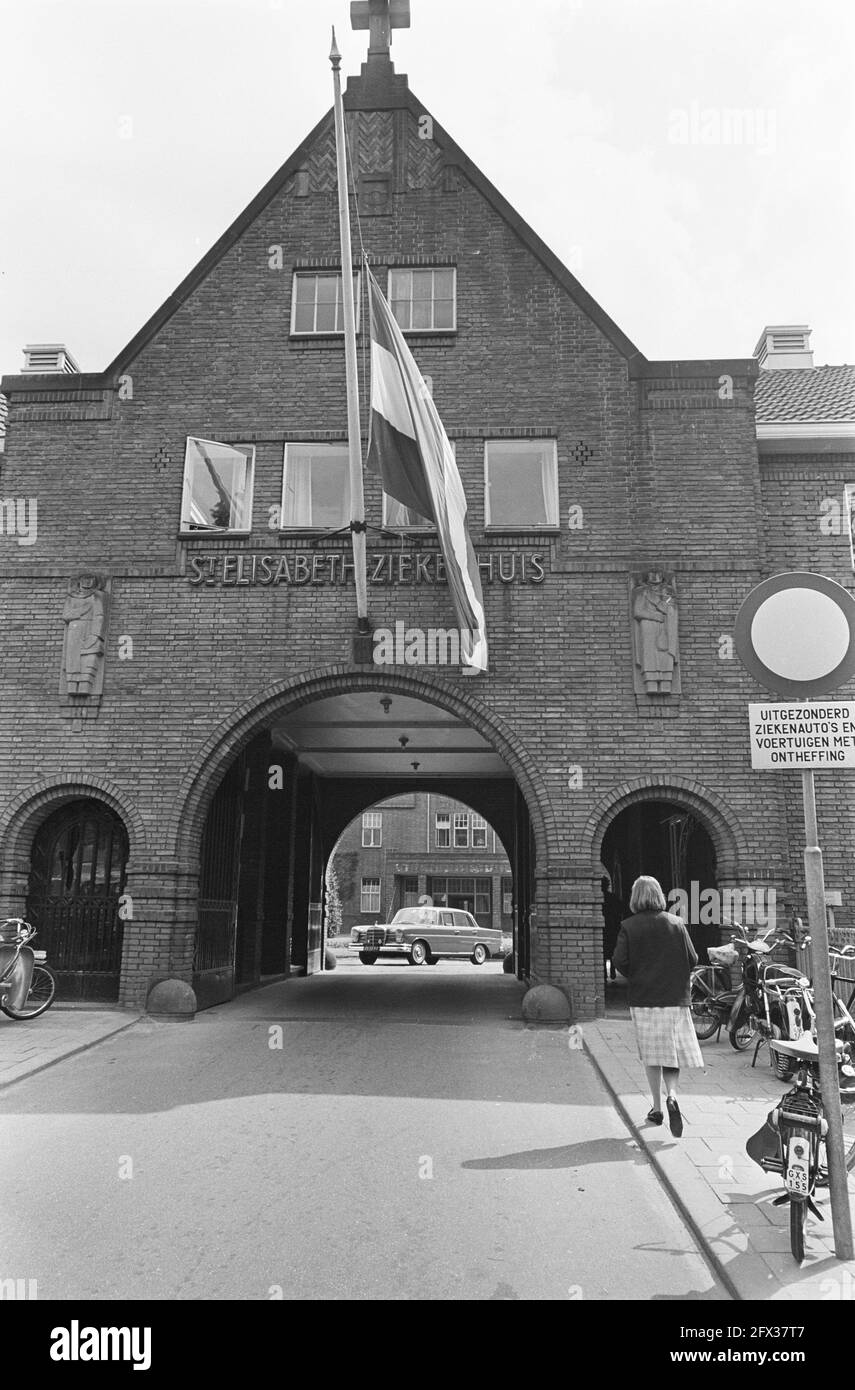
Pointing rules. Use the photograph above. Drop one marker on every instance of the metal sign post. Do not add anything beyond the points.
(838, 1178)
(795, 633)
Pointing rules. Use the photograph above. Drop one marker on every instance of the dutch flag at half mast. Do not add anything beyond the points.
(410, 450)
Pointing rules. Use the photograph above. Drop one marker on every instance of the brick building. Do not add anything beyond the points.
(188, 724)
(418, 845)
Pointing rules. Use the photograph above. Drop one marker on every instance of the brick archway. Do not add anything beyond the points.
(716, 816)
(186, 823)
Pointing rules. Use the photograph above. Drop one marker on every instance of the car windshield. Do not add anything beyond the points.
(414, 917)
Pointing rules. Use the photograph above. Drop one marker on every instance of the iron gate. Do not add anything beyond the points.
(216, 932)
(77, 878)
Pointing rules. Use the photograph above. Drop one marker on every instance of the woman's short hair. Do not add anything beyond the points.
(647, 896)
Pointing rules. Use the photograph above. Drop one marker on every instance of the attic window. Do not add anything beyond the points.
(317, 302)
(424, 301)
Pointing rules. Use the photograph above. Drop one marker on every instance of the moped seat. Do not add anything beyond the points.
(804, 1048)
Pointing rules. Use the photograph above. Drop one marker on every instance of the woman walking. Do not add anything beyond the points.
(655, 953)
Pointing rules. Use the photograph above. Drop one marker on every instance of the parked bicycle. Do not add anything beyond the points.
(792, 1140)
(757, 1006)
(27, 983)
(713, 993)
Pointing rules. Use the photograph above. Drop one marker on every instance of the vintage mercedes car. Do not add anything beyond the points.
(424, 935)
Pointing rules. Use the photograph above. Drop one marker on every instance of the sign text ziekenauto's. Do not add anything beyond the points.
(391, 567)
(815, 733)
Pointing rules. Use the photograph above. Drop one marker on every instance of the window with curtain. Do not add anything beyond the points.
(479, 832)
(315, 487)
(424, 300)
(370, 895)
(372, 829)
(443, 830)
(317, 302)
(461, 829)
(217, 492)
(520, 483)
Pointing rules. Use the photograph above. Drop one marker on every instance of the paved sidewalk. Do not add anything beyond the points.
(30, 1046)
(724, 1195)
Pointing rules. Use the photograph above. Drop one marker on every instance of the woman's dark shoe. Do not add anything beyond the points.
(675, 1119)
(655, 1117)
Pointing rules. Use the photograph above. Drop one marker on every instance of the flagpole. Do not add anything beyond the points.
(354, 431)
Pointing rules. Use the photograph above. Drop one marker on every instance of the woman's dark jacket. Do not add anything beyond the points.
(655, 953)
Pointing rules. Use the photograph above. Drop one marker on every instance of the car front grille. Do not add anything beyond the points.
(375, 936)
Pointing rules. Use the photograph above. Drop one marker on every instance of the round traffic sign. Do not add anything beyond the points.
(795, 634)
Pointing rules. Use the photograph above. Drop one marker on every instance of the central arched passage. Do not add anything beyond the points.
(271, 818)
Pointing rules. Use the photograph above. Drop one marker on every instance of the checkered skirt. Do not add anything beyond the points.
(666, 1037)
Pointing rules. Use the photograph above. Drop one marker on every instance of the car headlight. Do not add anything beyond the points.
(399, 935)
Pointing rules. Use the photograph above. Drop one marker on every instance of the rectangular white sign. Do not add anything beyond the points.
(816, 733)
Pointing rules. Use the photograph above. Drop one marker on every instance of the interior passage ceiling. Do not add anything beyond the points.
(354, 736)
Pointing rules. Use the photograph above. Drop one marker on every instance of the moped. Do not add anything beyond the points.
(791, 1142)
(773, 1002)
(27, 984)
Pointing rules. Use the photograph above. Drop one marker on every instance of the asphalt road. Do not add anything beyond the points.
(409, 1139)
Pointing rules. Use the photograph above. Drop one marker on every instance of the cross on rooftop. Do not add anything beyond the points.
(380, 17)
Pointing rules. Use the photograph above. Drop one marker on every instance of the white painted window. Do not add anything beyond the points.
(443, 829)
(424, 300)
(479, 832)
(461, 829)
(370, 896)
(315, 487)
(317, 302)
(372, 829)
(218, 480)
(520, 483)
(849, 494)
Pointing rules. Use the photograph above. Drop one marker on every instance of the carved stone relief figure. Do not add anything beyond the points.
(85, 618)
(655, 635)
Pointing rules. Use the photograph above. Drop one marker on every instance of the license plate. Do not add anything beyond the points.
(798, 1167)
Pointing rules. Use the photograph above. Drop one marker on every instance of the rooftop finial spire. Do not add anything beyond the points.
(380, 17)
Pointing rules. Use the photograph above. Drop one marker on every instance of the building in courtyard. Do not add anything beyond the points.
(418, 846)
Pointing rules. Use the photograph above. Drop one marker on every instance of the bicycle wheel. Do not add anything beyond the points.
(40, 997)
(705, 1021)
(743, 1033)
(704, 986)
(797, 1229)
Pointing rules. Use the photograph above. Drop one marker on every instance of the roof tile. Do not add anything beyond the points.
(810, 395)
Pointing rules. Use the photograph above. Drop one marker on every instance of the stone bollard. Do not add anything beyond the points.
(172, 1000)
(545, 1004)
(508, 964)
